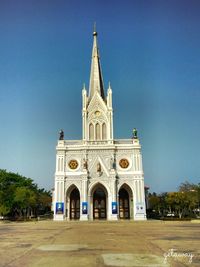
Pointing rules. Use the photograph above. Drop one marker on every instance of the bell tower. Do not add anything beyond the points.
(98, 177)
(97, 111)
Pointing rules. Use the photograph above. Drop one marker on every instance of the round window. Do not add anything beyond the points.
(124, 163)
(73, 164)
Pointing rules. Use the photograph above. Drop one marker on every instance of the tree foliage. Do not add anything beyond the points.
(185, 202)
(21, 197)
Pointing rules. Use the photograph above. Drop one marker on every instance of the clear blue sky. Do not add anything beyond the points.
(150, 51)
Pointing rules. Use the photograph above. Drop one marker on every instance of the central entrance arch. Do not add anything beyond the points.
(75, 204)
(98, 202)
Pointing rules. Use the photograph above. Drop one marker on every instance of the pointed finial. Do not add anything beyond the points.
(109, 86)
(94, 31)
(83, 86)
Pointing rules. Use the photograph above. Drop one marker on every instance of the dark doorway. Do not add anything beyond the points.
(75, 204)
(124, 211)
(99, 204)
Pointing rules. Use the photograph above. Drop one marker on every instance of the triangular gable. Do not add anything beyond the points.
(94, 163)
(95, 102)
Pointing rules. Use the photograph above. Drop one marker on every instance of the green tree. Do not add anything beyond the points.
(44, 200)
(25, 200)
(154, 201)
(20, 196)
(192, 193)
(7, 191)
(177, 202)
(185, 202)
(158, 203)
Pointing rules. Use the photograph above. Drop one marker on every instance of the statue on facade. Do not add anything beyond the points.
(61, 137)
(98, 167)
(85, 164)
(135, 136)
(112, 163)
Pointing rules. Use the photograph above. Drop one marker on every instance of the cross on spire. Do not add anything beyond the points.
(96, 78)
(94, 28)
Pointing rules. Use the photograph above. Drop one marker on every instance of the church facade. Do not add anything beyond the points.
(98, 177)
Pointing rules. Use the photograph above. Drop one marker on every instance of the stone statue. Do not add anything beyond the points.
(85, 164)
(61, 135)
(112, 163)
(98, 167)
(135, 136)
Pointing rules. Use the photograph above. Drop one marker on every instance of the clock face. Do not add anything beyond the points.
(73, 164)
(124, 163)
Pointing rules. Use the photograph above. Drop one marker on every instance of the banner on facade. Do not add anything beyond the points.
(114, 207)
(59, 207)
(84, 207)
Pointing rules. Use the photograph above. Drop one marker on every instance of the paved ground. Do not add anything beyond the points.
(98, 244)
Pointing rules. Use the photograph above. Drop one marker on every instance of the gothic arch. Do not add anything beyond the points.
(94, 185)
(98, 131)
(104, 132)
(91, 131)
(99, 201)
(126, 187)
(73, 202)
(125, 200)
(70, 188)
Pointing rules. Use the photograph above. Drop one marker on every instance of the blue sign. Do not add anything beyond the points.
(59, 207)
(114, 207)
(84, 207)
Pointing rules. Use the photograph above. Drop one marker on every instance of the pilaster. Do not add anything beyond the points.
(84, 196)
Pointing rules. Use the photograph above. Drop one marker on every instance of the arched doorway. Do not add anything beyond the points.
(99, 204)
(124, 205)
(75, 204)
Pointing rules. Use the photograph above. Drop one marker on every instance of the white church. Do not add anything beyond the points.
(98, 177)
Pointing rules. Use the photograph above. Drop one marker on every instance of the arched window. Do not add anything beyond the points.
(104, 135)
(61, 167)
(98, 136)
(58, 164)
(91, 131)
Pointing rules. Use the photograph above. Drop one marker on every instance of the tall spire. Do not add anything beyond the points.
(96, 79)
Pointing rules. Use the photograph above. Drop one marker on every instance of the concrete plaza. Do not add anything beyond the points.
(99, 243)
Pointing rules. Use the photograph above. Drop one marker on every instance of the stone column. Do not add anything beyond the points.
(59, 204)
(113, 199)
(84, 197)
